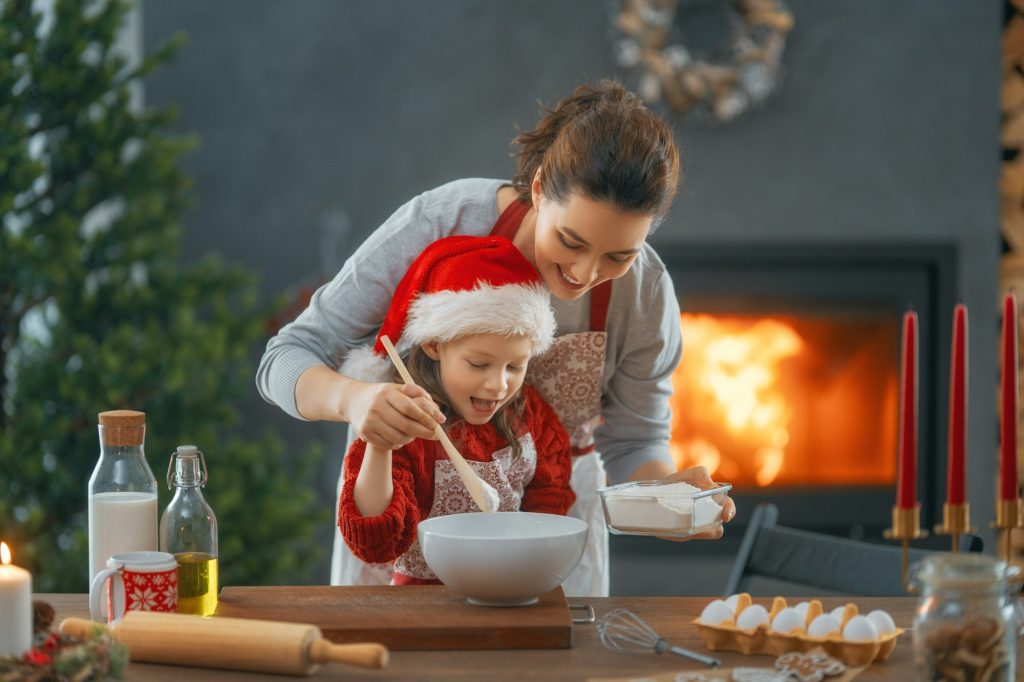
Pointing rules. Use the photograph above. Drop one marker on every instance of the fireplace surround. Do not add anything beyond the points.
(811, 281)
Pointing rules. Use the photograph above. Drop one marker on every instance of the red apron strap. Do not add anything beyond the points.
(599, 297)
(510, 219)
(586, 450)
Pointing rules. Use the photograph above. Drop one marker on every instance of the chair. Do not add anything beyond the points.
(775, 560)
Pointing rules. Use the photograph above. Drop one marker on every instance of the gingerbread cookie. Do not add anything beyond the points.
(810, 666)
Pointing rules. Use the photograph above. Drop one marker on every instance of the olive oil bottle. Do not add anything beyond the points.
(188, 530)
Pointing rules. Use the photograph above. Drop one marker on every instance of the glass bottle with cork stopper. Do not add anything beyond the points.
(122, 491)
(188, 530)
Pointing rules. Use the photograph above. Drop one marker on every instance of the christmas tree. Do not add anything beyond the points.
(97, 312)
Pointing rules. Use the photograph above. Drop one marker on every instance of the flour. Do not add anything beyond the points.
(669, 508)
(493, 500)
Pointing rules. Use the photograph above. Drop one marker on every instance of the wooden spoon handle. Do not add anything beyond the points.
(362, 655)
(469, 477)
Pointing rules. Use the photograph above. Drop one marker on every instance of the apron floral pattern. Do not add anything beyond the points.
(565, 378)
(508, 477)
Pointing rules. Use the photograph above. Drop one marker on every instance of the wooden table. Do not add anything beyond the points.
(670, 616)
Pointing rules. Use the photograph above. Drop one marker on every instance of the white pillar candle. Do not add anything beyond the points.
(15, 606)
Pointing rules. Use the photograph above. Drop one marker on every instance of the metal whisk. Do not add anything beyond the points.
(623, 631)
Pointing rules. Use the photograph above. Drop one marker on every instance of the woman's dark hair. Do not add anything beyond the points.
(426, 372)
(604, 143)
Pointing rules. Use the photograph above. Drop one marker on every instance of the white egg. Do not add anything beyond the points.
(823, 626)
(752, 616)
(802, 607)
(837, 613)
(860, 629)
(787, 620)
(715, 613)
(732, 601)
(883, 621)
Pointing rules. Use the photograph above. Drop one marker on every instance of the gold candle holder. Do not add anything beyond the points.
(906, 526)
(956, 520)
(1008, 517)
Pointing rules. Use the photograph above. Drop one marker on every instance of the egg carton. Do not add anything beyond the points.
(762, 639)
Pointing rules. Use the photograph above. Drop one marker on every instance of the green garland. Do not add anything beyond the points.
(58, 658)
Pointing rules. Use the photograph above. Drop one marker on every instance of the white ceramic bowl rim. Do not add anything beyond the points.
(575, 526)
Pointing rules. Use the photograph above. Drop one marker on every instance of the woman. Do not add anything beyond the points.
(593, 179)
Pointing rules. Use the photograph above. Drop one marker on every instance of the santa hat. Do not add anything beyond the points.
(455, 287)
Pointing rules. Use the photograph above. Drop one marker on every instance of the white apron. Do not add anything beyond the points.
(569, 377)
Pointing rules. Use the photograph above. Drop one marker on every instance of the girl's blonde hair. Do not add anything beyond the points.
(426, 372)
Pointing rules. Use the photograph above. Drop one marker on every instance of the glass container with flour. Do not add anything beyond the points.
(122, 491)
(662, 508)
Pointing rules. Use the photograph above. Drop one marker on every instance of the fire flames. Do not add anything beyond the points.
(764, 401)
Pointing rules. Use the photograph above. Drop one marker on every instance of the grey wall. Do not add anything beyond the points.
(326, 115)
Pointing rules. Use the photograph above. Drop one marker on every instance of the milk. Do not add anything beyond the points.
(120, 522)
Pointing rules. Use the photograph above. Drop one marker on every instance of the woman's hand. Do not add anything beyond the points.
(388, 416)
(701, 478)
(658, 470)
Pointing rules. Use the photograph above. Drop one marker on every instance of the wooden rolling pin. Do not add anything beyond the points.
(232, 643)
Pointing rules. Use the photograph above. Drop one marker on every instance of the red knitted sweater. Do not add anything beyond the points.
(389, 535)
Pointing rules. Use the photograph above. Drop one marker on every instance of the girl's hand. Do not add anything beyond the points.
(389, 416)
(700, 477)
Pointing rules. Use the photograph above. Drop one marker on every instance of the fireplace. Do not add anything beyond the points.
(789, 381)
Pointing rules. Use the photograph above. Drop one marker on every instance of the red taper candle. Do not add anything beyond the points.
(906, 491)
(1008, 403)
(957, 408)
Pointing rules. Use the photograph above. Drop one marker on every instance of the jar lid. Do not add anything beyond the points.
(122, 418)
(186, 451)
(962, 571)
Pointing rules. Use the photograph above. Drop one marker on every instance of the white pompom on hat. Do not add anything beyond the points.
(459, 286)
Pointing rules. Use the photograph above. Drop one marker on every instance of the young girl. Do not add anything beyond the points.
(467, 317)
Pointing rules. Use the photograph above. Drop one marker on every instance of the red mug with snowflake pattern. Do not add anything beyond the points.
(134, 581)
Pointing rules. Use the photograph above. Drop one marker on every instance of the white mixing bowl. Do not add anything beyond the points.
(505, 558)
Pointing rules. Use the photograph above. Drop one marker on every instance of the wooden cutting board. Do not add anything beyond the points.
(405, 618)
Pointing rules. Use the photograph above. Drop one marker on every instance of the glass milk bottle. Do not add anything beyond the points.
(188, 530)
(122, 491)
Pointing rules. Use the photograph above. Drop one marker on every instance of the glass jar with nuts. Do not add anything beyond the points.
(966, 624)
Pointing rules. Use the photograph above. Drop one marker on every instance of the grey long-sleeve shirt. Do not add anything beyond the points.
(644, 340)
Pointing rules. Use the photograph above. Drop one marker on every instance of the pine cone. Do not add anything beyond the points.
(42, 616)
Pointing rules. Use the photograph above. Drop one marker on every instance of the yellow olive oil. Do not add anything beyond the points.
(197, 583)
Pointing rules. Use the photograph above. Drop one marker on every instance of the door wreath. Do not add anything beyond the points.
(745, 72)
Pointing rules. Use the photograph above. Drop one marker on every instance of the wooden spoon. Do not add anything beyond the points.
(482, 493)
